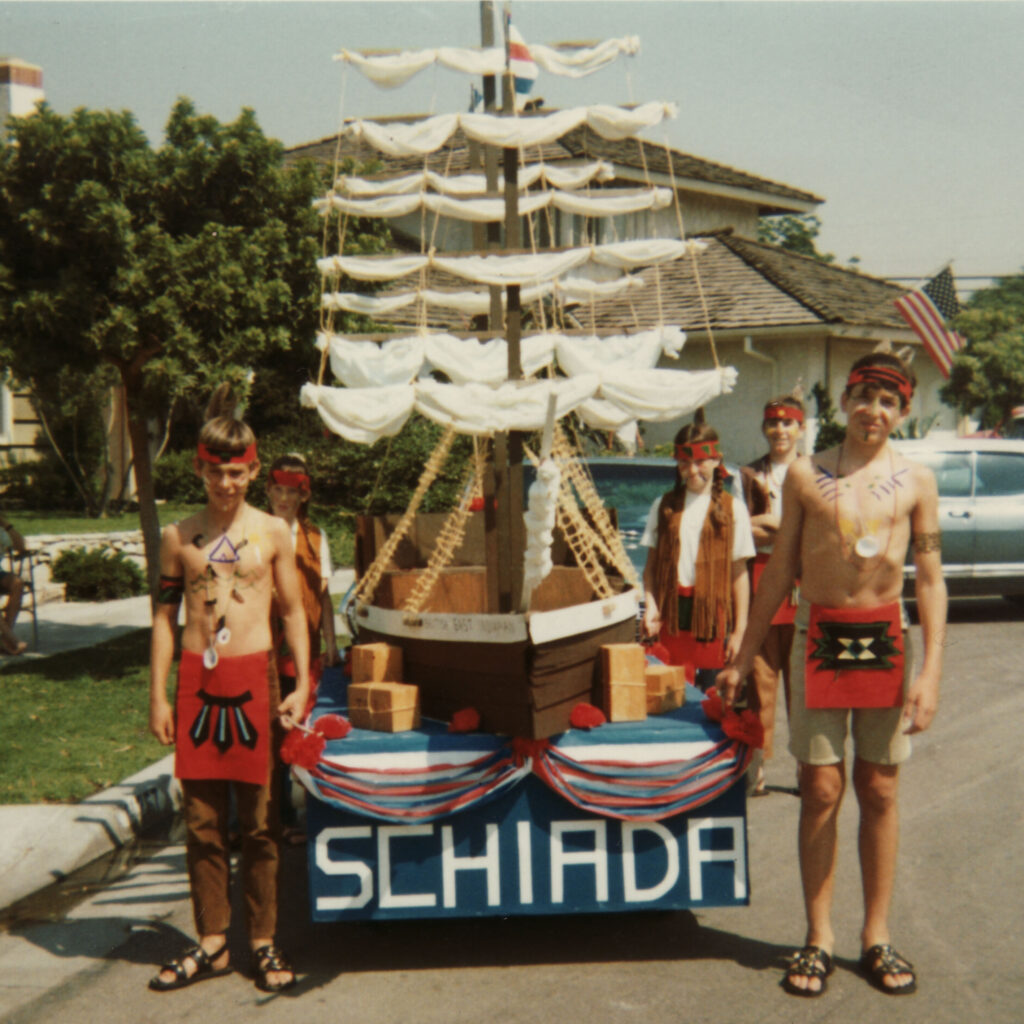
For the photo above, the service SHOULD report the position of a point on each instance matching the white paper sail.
(512, 268)
(391, 70)
(565, 178)
(419, 138)
(569, 290)
(366, 415)
(606, 203)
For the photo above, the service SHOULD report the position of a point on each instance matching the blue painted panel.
(529, 852)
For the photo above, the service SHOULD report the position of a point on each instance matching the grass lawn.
(75, 723)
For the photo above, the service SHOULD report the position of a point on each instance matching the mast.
(503, 488)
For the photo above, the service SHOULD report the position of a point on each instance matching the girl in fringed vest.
(289, 489)
(696, 583)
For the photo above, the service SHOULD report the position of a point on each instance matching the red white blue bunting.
(635, 772)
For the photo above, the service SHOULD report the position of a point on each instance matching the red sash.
(786, 613)
(223, 719)
(854, 657)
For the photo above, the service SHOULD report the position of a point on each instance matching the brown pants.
(207, 809)
(763, 685)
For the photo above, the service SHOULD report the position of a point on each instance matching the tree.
(794, 233)
(179, 267)
(987, 377)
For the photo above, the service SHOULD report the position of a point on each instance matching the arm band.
(171, 590)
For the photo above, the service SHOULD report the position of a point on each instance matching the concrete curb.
(44, 843)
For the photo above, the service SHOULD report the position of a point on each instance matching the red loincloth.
(854, 657)
(222, 728)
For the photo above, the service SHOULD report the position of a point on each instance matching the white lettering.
(598, 856)
(525, 862)
(488, 862)
(698, 856)
(388, 899)
(359, 868)
(633, 893)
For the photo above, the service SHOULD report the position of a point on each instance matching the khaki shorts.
(818, 736)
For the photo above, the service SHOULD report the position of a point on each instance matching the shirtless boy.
(849, 514)
(226, 561)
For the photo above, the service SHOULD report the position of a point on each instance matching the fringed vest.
(712, 595)
(308, 539)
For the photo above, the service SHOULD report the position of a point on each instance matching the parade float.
(498, 802)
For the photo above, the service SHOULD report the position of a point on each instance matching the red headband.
(887, 377)
(698, 450)
(290, 478)
(219, 456)
(783, 412)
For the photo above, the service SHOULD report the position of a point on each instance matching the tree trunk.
(148, 519)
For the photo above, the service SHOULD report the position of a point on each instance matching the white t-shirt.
(695, 510)
(774, 479)
(325, 554)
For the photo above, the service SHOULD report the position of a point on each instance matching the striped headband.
(290, 478)
(219, 456)
(698, 450)
(781, 411)
(887, 377)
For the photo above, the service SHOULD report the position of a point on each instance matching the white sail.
(607, 203)
(419, 138)
(565, 178)
(511, 268)
(390, 70)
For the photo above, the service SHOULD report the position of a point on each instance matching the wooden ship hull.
(523, 672)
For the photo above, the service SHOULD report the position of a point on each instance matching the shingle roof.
(581, 142)
(748, 285)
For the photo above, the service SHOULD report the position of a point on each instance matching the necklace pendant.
(210, 658)
(224, 636)
(867, 546)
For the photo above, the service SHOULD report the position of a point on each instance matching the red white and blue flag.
(927, 311)
(521, 64)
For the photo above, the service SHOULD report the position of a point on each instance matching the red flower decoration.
(659, 651)
(302, 749)
(586, 716)
(745, 727)
(712, 706)
(332, 727)
(524, 748)
(465, 720)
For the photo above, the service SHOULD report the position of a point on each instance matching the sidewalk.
(43, 844)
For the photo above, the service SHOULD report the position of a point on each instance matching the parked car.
(981, 512)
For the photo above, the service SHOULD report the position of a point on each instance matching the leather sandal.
(882, 961)
(267, 960)
(182, 979)
(809, 962)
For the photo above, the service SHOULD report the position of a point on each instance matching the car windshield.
(630, 488)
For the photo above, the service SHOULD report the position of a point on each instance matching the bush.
(100, 574)
(175, 478)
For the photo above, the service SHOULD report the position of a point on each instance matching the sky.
(905, 117)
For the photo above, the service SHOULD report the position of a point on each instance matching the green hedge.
(99, 574)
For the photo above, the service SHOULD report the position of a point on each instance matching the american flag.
(927, 311)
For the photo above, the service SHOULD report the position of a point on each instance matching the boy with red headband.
(783, 426)
(848, 517)
(289, 490)
(225, 562)
(696, 587)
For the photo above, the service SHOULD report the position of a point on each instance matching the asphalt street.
(956, 914)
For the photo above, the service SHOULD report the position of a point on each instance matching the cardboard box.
(658, 704)
(384, 706)
(624, 691)
(376, 663)
(666, 688)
